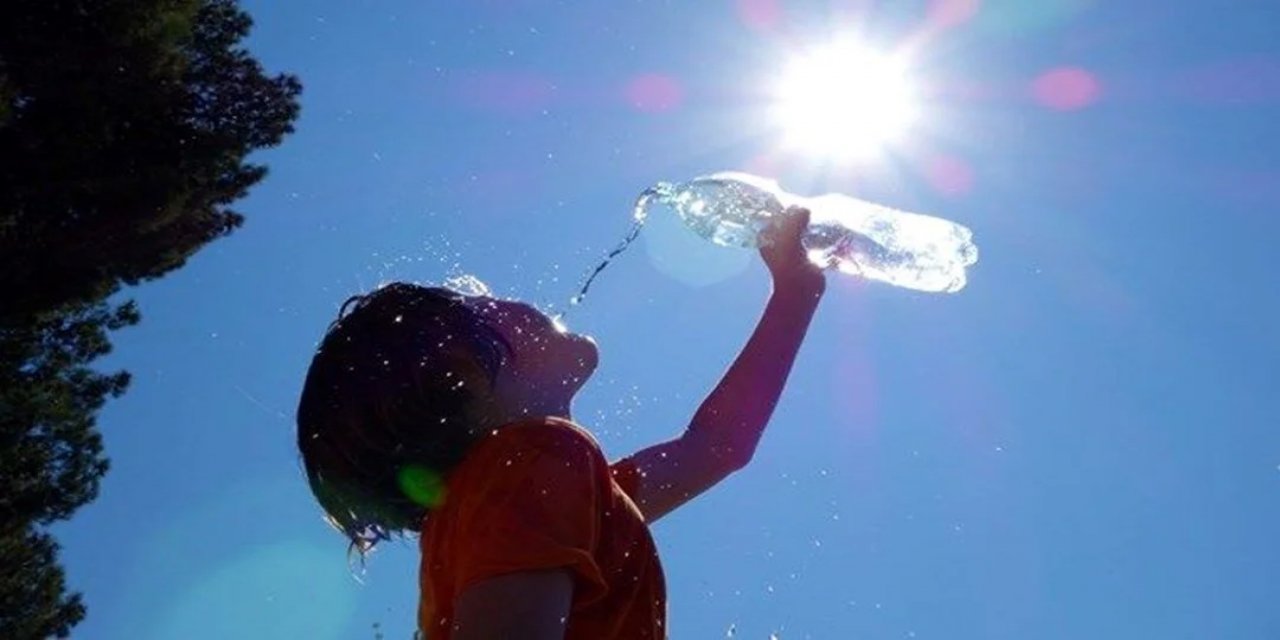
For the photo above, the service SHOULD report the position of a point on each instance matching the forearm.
(732, 418)
(724, 432)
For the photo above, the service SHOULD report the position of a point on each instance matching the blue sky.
(1080, 444)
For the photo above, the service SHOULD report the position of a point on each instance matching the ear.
(460, 366)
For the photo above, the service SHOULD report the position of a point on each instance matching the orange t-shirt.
(539, 495)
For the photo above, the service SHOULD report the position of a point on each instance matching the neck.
(502, 413)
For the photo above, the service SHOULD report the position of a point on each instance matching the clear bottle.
(845, 233)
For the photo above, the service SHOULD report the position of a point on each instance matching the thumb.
(786, 228)
(800, 215)
(794, 223)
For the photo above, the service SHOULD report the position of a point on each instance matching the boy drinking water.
(428, 411)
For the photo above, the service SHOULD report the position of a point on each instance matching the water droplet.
(557, 321)
(468, 285)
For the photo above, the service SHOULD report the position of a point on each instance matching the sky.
(1082, 443)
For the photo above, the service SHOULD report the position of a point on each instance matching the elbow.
(733, 457)
(725, 450)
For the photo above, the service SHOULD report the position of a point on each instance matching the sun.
(844, 101)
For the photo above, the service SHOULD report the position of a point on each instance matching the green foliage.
(126, 141)
(52, 455)
(125, 126)
(33, 598)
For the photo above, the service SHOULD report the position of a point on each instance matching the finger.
(801, 216)
(796, 221)
(786, 228)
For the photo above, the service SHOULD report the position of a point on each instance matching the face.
(548, 364)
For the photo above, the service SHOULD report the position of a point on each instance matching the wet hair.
(386, 410)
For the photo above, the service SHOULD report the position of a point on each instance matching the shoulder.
(553, 436)
(537, 471)
(541, 442)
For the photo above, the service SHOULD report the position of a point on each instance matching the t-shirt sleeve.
(537, 508)
(627, 475)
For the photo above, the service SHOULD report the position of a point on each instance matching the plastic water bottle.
(845, 233)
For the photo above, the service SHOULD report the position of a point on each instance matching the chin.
(583, 355)
(581, 363)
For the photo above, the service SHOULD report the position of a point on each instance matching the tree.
(125, 128)
(33, 598)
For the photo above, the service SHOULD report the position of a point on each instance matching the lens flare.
(422, 485)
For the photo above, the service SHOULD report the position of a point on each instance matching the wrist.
(800, 286)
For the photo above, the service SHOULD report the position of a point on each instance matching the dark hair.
(386, 411)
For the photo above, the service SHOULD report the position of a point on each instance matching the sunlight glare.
(844, 101)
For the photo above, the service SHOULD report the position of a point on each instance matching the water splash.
(640, 214)
(468, 285)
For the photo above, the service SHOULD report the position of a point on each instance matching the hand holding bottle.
(783, 252)
(847, 234)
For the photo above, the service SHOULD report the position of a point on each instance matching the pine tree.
(124, 131)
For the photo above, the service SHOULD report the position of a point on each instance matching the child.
(428, 411)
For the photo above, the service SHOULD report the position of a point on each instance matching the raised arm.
(723, 434)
